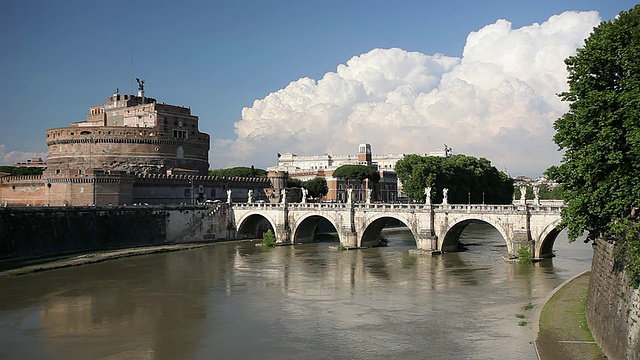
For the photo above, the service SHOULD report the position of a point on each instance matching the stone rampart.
(50, 231)
(136, 150)
(613, 307)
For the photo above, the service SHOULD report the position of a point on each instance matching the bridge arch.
(305, 228)
(370, 234)
(449, 239)
(254, 224)
(546, 240)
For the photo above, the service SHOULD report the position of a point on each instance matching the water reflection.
(236, 300)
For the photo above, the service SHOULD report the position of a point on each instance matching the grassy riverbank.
(563, 331)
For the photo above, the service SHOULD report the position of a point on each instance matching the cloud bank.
(498, 101)
(12, 157)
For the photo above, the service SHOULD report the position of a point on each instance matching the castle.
(131, 149)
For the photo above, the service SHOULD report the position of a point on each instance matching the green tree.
(239, 171)
(468, 179)
(357, 172)
(317, 187)
(550, 193)
(19, 170)
(546, 192)
(269, 238)
(600, 136)
(291, 182)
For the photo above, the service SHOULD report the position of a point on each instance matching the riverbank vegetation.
(600, 136)
(469, 179)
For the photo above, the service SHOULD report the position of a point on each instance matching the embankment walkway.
(560, 327)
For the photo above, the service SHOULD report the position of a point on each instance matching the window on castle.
(180, 134)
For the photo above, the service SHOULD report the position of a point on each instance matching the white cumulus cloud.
(12, 157)
(498, 101)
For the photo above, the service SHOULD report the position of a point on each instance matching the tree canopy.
(600, 136)
(239, 171)
(467, 178)
(317, 187)
(19, 170)
(294, 183)
(357, 172)
(545, 192)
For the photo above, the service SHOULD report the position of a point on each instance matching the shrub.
(524, 254)
(268, 238)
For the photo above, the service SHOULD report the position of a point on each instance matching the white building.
(306, 167)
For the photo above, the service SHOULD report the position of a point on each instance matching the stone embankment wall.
(48, 231)
(613, 307)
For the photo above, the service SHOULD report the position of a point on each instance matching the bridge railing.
(554, 208)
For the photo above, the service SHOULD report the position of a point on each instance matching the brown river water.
(240, 301)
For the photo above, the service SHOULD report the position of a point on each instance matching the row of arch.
(255, 224)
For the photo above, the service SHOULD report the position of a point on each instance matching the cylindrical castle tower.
(133, 134)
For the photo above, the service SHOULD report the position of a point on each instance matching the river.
(241, 301)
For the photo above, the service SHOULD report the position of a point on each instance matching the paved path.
(562, 332)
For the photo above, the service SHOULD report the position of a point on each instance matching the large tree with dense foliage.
(600, 136)
(357, 172)
(239, 171)
(317, 187)
(294, 183)
(467, 178)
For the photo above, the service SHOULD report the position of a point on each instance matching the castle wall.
(129, 149)
(50, 231)
(80, 190)
(102, 188)
(185, 189)
(28, 190)
(613, 307)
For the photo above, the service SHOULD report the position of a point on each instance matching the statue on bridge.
(369, 193)
(284, 196)
(349, 195)
(305, 193)
(445, 196)
(536, 195)
(250, 196)
(229, 196)
(523, 195)
(427, 195)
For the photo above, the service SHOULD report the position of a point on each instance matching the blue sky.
(60, 57)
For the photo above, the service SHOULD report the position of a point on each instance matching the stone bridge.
(434, 227)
